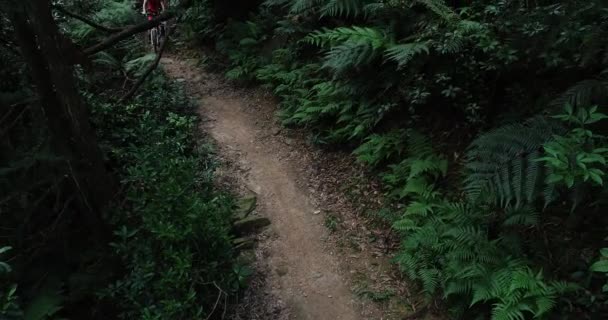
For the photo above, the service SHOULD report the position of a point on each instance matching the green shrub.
(172, 232)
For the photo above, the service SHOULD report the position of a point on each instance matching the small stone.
(317, 211)
(329, 296)
(282, 270)
(276, 131)
(180, 80)
(289, 141)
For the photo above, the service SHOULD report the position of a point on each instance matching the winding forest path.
(305, 276)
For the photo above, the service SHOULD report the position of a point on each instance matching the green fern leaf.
(404, 53)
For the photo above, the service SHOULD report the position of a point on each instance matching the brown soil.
(304, 270)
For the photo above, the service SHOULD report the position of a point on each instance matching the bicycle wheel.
(160, 35)
(154, 39)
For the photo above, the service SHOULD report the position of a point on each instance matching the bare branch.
(86, 20)
(132, 30)
(149, 70)
(219, 295)
(129, 31)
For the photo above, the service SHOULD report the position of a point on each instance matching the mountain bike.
(157, 33)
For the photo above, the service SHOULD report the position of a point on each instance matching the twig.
(14, 122)
(65, 206)
(225, 306)
(148, 71)
(217, 301)
(86, 20)
(85, 199)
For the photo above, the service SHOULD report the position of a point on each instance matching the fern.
(502, 163)
(301, 6)
(404, 53)
(379, 148)
(349, 46)
(348, 55)
(439, 8)
(523, 216)
(583, 94)
(414, 174)
(138, 65)
(345, 8)
(106, 59)
(361, 35)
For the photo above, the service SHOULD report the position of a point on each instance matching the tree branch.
(132, 30)
(86, 20)
(149, 70)
(129, 31)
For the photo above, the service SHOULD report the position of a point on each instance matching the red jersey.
(153, 6)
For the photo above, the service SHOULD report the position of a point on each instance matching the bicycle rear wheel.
(154, 39)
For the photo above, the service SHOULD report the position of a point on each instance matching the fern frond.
(496, 162)
(583, 94)
(344, 8)
(348, 55)
(300, 6)
(404, 53)
(521, 216)
(361, 35)
(439, 8)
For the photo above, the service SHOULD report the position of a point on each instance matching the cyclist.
(153, 7)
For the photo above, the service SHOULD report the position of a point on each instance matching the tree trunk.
(68, 118)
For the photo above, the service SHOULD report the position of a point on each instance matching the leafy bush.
(172, 233)
(162, 248)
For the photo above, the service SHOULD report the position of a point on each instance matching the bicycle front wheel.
(154, 39)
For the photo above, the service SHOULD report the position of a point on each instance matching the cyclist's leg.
(162, 27)
(150, 16)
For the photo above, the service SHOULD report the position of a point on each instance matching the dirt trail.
(304, 271)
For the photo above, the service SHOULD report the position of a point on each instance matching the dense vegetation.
(108, 207)
(483, 118)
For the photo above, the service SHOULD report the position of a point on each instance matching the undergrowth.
(172, 231)
(162, 248)
(482, 120)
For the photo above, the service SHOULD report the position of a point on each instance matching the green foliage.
(415, 174)
(404, 53)
(366, 75)
(601, 266)
(503, 164)
(110, 13)
(9, 304)
(573, 157)
(176, 222)
(332, 222)
(447, 246)
(162, 248)
(380, 148)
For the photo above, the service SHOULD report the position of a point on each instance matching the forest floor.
(322, 257)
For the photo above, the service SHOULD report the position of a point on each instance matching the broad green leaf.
(600, 266)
